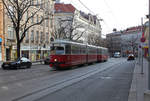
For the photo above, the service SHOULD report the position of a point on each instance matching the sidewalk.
(139, 82)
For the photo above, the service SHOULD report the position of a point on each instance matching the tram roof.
(103, 48)
(71, 42)
(67, 42)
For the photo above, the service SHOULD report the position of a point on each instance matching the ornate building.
(82, 23)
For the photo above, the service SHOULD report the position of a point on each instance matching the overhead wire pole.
(149, 50)
(142, 49)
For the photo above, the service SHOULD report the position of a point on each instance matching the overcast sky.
(118, 14)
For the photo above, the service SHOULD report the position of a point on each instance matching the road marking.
(105, 77)
(4, 87)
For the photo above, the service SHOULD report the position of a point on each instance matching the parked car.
(19, 63)
(130, 57)
(47, 60)
(117, 55)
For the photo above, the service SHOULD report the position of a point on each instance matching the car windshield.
(131, 55)
(22, 58)
(18, 59)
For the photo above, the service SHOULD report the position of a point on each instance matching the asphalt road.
(42, 83)
(112, 84)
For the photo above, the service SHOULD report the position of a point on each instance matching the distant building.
(125, 42)
(57, 1)
(130, 40)
(114, 42)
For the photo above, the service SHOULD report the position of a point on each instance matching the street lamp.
(149, 51)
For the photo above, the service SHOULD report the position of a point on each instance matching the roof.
(133, 29)
(64, 8)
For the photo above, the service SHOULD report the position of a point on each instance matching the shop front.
(0, 49)
(34, 53)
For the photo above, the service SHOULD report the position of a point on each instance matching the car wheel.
(16, 67)
(4, 68)
(28, 66)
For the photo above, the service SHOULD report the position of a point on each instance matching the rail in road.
(28, 89)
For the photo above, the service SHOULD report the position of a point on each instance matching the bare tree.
(130, 43)
(17, 10)
(67, 29)
(94, 39)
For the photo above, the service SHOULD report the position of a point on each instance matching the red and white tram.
(65, 54)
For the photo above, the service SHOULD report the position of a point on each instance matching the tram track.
(24, 79)
(61, 84)
(12, 77)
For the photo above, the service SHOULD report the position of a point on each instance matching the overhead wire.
(112, 13)
(86, 7)
(71, 1)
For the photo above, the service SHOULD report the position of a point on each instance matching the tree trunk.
(18, 50)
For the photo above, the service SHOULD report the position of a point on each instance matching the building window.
(32, 2)
(37, 36)
(32, 36)
(46, 23)
(41, 5)
(37, 18)
(37, 2)
(47, 37)
(32, 19)
(41, 37)
(27, 15)
(42, 22)
(27, 37)
(10, 33)
(11, 11)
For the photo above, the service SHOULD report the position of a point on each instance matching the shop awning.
(145, 47)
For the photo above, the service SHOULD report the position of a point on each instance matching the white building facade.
(82, 23)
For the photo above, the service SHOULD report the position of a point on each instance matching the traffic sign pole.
(149, 50)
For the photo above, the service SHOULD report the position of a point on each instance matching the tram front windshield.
(57, 50)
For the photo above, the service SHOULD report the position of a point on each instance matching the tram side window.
(83, 50)
(58, 50)
(68, 49)
(99, 51)
(106, 52)
(75, 49)
(94, 51)
(88, 50)
(52, 51)
(91, 50)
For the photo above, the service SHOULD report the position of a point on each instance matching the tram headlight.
(55, 60)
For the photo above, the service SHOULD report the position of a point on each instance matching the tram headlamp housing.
(55, 60)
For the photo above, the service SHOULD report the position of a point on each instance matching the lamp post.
(149, 50)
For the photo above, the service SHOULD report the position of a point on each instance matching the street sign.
(143, 39)
(52, 39)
